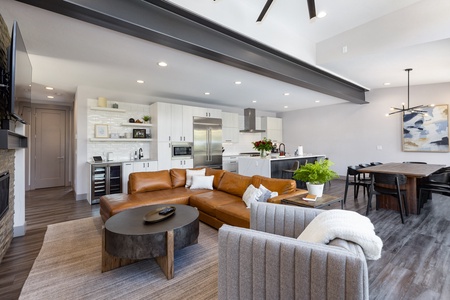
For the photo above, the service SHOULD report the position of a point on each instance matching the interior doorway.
(48, 161)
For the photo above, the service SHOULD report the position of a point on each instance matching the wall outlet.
(379, 147)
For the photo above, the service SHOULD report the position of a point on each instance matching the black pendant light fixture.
(415, 109)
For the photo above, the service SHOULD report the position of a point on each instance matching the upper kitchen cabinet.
(230, 127)
(173, 122)
(207, 112)
(273, 128)
(161, 114)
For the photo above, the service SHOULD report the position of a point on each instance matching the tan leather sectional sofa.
(222, 205)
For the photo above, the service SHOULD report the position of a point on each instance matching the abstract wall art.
(426, 132)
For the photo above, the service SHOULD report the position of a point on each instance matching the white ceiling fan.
(311, 9)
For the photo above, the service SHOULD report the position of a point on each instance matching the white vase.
(315, 189)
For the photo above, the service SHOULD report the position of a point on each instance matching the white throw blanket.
(346, 225)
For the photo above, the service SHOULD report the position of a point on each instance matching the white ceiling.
(382, 38)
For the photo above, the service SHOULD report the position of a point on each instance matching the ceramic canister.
(101, 102)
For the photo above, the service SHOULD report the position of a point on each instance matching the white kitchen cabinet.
(230, 163)
(164, 156)
(161, 114)
(127, 169)
(230, 127)
(188, 123)
(207, 112)
(182, 163)
(145, 166)
(136, 166)
(173, 122)
(273, 127)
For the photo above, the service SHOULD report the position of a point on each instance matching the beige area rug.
(69, 267)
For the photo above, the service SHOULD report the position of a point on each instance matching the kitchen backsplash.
(121, 150)
(244, 145)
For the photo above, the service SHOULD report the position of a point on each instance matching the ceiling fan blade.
(263, 12)
(311, 9)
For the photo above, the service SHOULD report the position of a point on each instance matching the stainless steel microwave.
(182, 150)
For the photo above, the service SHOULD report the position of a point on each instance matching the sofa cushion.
(282, 186)
(217, 176)
(251, 195)
(202, 182)
(234, 213)
(178, 177)
(234, 184)
(140, 182)
(193, 172)
(208, 201)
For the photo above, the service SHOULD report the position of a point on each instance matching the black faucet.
(141, 155)
(282, 152)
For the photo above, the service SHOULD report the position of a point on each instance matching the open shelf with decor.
(107, 109)
(137, 124)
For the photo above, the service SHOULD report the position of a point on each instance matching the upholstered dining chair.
(267, 261)
(392, 185)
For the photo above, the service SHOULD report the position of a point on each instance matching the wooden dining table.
(412, 172)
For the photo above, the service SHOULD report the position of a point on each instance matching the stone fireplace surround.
(7, 158)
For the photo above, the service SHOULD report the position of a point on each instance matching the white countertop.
(282, 158)
(119, 161)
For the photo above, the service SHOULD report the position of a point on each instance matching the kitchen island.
(271, 167)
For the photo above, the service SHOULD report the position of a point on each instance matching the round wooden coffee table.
(127, 238)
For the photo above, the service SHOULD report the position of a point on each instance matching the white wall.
(349, 133)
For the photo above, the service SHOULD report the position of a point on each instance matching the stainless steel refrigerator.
(207, 142)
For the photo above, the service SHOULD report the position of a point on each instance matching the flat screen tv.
(18, 75)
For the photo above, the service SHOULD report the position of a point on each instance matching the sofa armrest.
(278, 198)
(279, 219)
(259, 265)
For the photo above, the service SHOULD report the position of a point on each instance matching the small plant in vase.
(264, 146)
(146, 119)
(316, 175)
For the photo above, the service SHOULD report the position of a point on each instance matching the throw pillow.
(265, 193)
(190, 173)
(251, 195)
(202, 182)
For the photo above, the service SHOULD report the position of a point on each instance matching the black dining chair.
(380, 186)
(290, 172)
(438, 182)
(354, 178)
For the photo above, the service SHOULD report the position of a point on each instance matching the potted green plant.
(316, 175)
(146, 119)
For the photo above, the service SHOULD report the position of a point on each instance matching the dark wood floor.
(415, 261)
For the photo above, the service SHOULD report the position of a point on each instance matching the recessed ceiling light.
(285, 106)
(162, 64)
(140, 81)
(387, 83)
(254, 101)
(317, 101)
(286, 94)
(207, 93)
(50, 97)
(321, 14)
(49, 88)
(237, 82)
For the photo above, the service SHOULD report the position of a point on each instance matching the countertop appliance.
(207, 142)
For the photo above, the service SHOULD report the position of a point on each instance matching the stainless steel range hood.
(250, 121)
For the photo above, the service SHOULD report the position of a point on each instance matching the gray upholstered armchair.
(268, 262)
